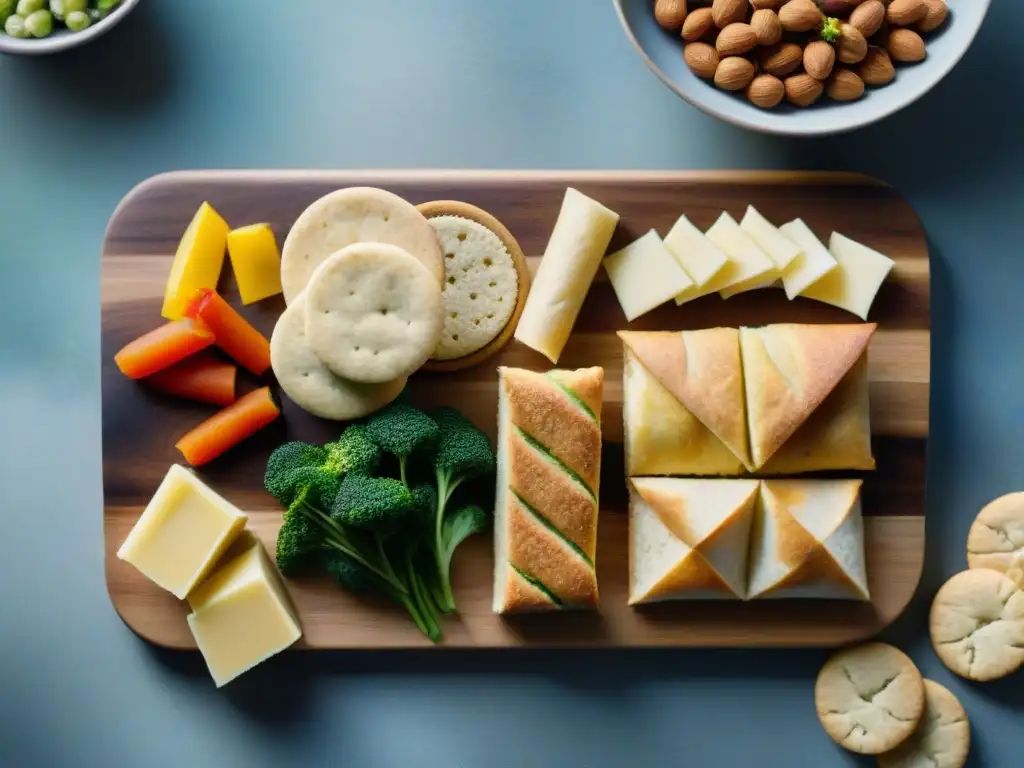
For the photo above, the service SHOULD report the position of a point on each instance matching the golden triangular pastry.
(789, 370)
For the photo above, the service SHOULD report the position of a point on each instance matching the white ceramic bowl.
(62, 39)
(663, 53)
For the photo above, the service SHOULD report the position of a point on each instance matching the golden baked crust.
(789, 370)
(702, 370)
(519, 592)
(546, 413)
(534, 549)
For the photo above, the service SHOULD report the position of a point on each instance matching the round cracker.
(870, 698)
(454, 208)
(310, 383)
(355, 215)
(373, 313)
(943, 740)
(996, 537)
(977, 624)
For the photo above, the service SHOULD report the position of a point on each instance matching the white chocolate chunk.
(813, 263)
(645, 275)
(748, 266)
(854, 285)
(779, 248)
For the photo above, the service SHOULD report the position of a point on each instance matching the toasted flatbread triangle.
(789, 369)
(702, 370)
(812, 540)
(712, 517)
(691, 574)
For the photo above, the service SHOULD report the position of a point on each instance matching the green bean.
(77, 21)
(39, 24)
(26, 7)
(15, 26)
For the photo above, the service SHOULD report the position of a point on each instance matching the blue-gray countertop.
(459, 83)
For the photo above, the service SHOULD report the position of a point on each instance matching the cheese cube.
(256, 262)
(855, 283)
(645, 275)
(701, 259)
(198, 261)
(780, 249)
(183, 530)
(813, 263)
(242, 615)
(748, 266)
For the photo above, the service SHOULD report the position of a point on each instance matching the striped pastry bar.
(549, 465)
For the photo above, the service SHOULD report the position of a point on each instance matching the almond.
(868, 17)
(803, 90)
(934, 17)
(765, 91)
(697, 24)
(903, 13)
(851, 45)
(766, 26)
(772, 5)
(734, 73)
(800, 16)
(905, 45)
(876, 68)
(845, 85)
(819, 58)
(780, 60)
(735, 39)
(670, 14)
(726, 12)
(702, 59)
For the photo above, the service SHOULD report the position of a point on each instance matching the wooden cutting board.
(140, 427)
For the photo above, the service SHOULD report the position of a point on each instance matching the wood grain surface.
(140, 426)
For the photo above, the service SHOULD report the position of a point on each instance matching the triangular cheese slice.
(808, 541)
(689, 537)
(789, 370)
(702, 369)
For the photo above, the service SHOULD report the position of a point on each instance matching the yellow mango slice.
(256, 261)
(198, 262)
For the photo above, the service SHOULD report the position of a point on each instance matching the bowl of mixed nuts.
(801, 67)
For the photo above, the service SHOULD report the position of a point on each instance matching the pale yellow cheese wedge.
(748, 266)
(813, 263)
(184, 529)
(701, 259)
(780, 249)
(578, 242)
(645, 275)
(854, 285)
(241, 616)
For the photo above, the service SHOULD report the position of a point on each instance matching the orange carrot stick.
(163, 347)
(201, 377)
(241, 341)
(229, 427)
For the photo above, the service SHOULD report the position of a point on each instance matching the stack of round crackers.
(375, 290)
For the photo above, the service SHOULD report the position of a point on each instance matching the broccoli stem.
(401, 469)
(335, 536)
(444, 596)
(422, 599)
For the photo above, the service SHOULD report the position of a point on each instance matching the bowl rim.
(65, 41)
(751, 125)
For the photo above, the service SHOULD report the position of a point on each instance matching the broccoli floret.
(354, 451)
(424, 504)
(350, 575)
(280, 478)
(402, 430)
(298, 544)
(463, 453)
(377, 504)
